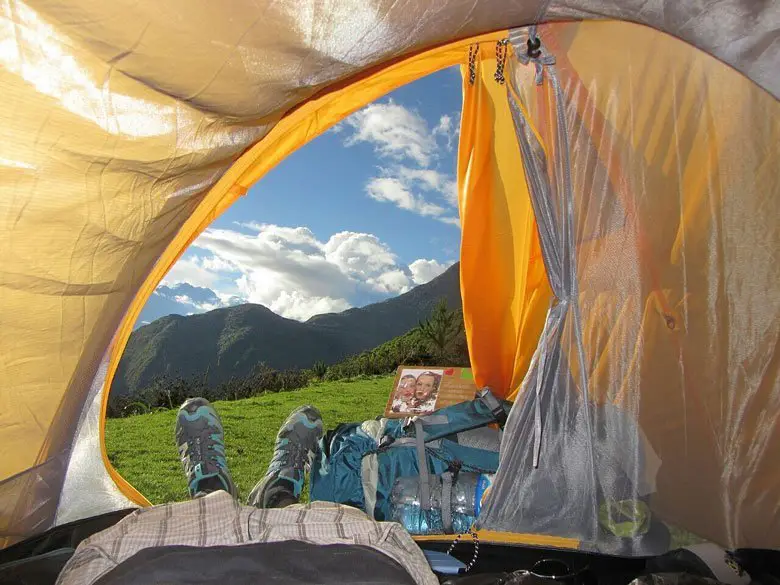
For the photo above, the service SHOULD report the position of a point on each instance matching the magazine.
(420, 390)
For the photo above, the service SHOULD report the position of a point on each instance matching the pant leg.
(217, 519)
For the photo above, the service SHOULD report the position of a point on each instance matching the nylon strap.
(425, 485)
(446, 502)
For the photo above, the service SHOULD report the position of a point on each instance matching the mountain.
(371, 325)
(232, 341)
(181, 298)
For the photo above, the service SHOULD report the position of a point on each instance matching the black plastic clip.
(534, 47)
(386, 441)
(454, 468)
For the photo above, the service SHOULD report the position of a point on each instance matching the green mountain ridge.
(232, 341)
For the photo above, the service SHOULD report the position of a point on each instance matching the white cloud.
(450, 192)
(395, 131)
(295, 305)
(405, 138)
(191, 270)
(229, 299)
(426, 270)
(359, 255)
(217, 264)
(200, 305)
(250, 225)
(430, 180)
(446, 129)
(427, 179)
(392, 282)
(394, 190)
(297, 276)
(398, 186)
(444, 126)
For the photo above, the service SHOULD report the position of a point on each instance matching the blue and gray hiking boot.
(293, 451)
(201, 443)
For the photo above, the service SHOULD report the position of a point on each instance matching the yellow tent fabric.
(28, 445)
(674, 247)
(128, 126)
(503, 280)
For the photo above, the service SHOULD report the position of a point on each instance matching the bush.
(169, 392)
(319, 370)
(121, 406)
(410, 349)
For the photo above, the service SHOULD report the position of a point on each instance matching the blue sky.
(364, 212)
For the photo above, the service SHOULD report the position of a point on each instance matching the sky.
(362, 213)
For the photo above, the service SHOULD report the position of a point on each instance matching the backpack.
(358, 463)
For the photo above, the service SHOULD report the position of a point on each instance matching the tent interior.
(618, 196)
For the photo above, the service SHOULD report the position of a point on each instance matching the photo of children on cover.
(417, 391)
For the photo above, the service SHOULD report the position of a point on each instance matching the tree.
(442, 329)
(320, 370)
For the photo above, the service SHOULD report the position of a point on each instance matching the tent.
(619, 202)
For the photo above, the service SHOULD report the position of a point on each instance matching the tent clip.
(535, 53)
(534, 45)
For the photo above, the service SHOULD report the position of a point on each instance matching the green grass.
(142, 447)
(143, 450)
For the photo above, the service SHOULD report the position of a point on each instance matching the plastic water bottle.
(468, 492)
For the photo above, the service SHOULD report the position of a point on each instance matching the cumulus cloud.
(214, 263)
(192, 271)
(427, 179)
(403, 138)
(430, 180)
(401, 187)
(396, 190)
(359, 255)
(296, 305)
(290, 271)
(202, 306)
(426, 270)
(395, 281)
(394, 131)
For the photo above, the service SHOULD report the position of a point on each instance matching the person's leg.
(294, 447)
(201, 442)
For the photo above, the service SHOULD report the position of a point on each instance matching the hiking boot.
(293, 451)
(201, 443)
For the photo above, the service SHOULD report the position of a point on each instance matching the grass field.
(142, 447)
(143, 450)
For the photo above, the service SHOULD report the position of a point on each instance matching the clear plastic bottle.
(468, 491)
